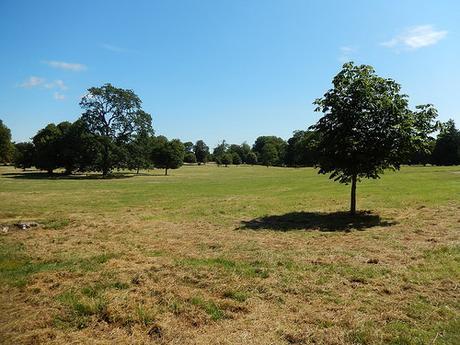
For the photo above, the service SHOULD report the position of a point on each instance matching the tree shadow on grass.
(45, 176)
(322, 221)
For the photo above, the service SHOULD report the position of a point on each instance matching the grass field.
(239, 255)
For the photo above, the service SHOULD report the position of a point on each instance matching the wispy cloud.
(416, 37)
(117, 49)
(58, 96)
(346, 53)
(70, 66)
(42, 83)
(56, 84)
(32, 81)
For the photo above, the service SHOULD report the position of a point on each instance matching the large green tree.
(367, 127)
(6, 147)
(114, 116)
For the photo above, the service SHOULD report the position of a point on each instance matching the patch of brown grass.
(197, 283)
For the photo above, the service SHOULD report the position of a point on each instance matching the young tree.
(227, 159)
(201, 151)
(24, 155)
(168, 154)
(367, 127)
(114, 116)
(6, 147)
(447, 148)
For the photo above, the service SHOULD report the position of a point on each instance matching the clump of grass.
(239, 296)
(81, 308)
(145, 315)
(253, 269)
(56, 223)
(209, 307)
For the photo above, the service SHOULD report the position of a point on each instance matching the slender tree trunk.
(166, 172)
(353, 195)
(137, 172)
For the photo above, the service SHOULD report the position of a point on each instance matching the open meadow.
(238, 255)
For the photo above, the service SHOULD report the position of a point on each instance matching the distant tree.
(227, 159)
(139, 152)
(189, 157)
(447, 147)
(236, 159)
(245, 150)
(269, 155)
(79, 150)
(47, 147)
(367, 127)
(114, 116)
(6, 146)
(241, 150)
(422, 156)
(201, 151)
(220, 150)
(251, 158)
(24, 155)
(168, 154)
(277, 149)
(301, 149)
(188, 146)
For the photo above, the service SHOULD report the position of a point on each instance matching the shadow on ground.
(322, 221)
(46, 176)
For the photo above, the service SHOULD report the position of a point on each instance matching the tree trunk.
(166, 172)
(353, 195)
(137, 172)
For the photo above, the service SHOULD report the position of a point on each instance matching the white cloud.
(56, 84)
(76, 67)
(346, 53)
(416, 37)
(58, 96)
(32, 81)
(117, 49)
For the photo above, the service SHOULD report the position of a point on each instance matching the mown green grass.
(221, 194)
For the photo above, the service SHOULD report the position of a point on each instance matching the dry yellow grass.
(137, 276)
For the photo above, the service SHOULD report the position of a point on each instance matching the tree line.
(365, 128)
(74, 148)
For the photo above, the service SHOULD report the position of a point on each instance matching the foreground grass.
(238, 255)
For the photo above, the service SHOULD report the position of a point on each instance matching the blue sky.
(220, 69)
